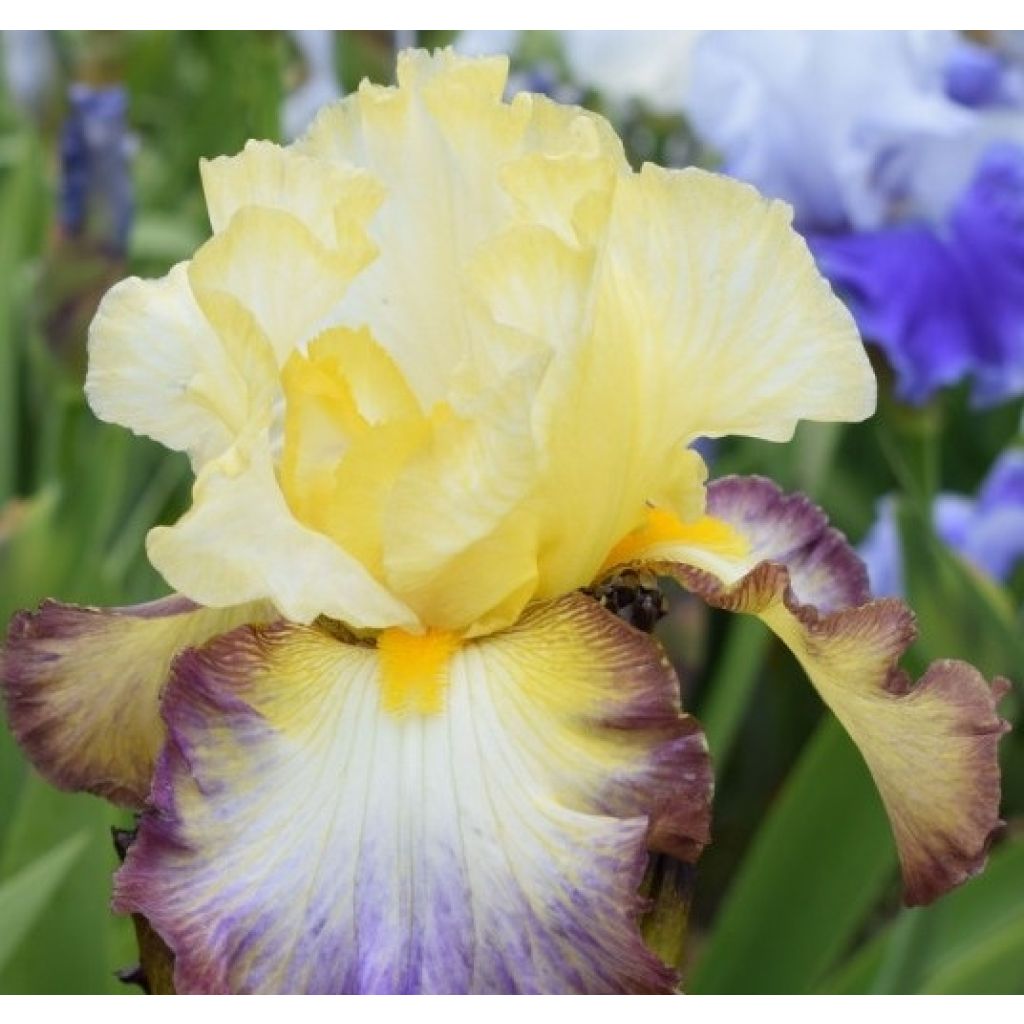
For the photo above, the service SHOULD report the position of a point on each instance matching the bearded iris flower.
(437, 371)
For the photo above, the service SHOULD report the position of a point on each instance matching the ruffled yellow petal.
(429, 503)
(600, 456)
(709, 279)
(488, 584)
(313, 191)
(695, 309)
(480, 467)
(157, 365)
(275, 267)
(241, 542)
(446, 120)
(493, 345)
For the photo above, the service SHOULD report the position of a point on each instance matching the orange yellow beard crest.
(661, 527)
(414, 670)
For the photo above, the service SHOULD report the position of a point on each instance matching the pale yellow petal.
(710, 278)
(488, 584)
(446, 120)
(278, 270)
(481, 463)
(313, 191)
(157, 366)
(351, 425)
(241, 542)
(348, 502)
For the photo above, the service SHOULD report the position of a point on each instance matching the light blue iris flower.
(987, 531)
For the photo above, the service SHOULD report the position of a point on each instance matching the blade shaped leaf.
(25, 896)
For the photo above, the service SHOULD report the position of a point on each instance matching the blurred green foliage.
(798, 893)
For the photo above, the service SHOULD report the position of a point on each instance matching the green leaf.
(18, 190)
(817, 867)
(25, 896)
(728, 696)
(78, 944)
(961, 612)
(994, 967)
(955, 943)
(910, 439)
(814, 451)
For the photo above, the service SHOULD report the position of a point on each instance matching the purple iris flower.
(837, 124)
(901, 153)
(945, 302)
(988, 531)
(979, 76)
(96, 195)
(974, 75)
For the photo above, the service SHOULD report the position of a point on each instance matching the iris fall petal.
(930, 746)
(82, 686)
(306, 838)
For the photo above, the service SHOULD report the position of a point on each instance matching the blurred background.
(902, 156)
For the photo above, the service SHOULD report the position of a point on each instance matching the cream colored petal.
(709, 280)
(241, 542)
(446, 120)
(157, 366)
(560, 129)
(278, 270)
(313, 191)
(570, 195)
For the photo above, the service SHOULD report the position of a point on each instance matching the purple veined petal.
(82, 686)
(789, 528)
(307, 839)
(931, 747)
